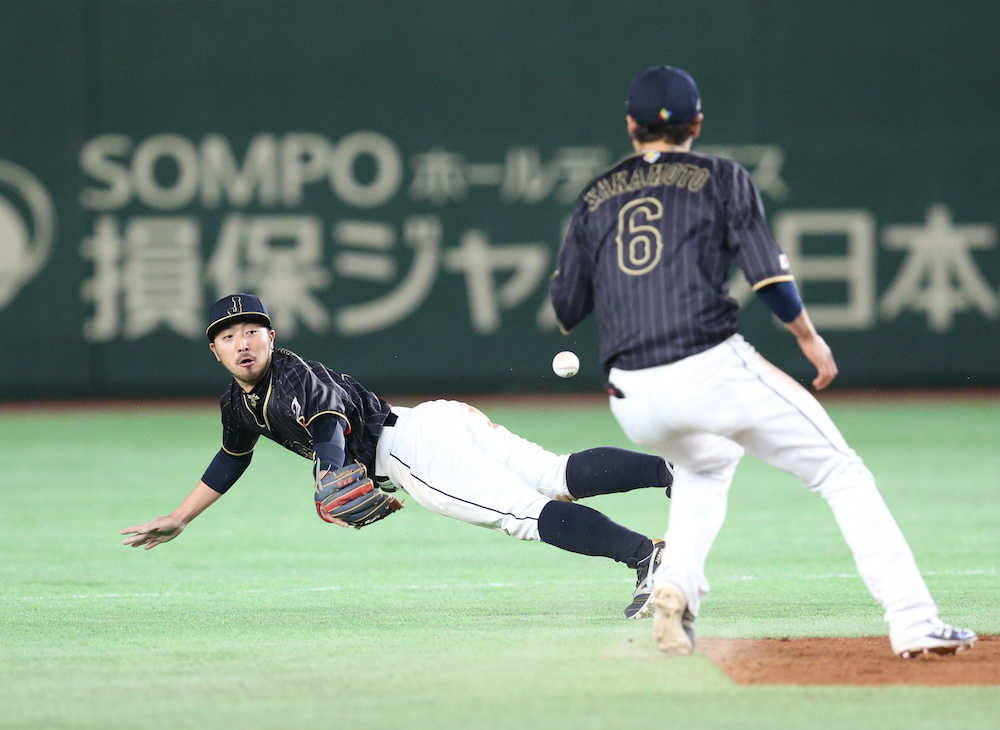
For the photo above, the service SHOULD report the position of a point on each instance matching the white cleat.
(936, 638)
(669, 618)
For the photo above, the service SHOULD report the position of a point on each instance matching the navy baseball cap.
(663, 95)
(236, 308)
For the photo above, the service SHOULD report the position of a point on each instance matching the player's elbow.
(783, 299)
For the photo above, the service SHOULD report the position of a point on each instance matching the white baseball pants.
(454, 461)
(704, 411)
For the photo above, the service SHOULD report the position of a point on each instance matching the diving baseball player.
(447, 455)
(650, 249)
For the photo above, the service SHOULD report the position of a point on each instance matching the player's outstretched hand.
(151, 534)
(820, 355)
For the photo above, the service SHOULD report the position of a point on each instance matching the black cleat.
(642, 603)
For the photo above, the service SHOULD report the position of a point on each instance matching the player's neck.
(660, 146)
(246, 385)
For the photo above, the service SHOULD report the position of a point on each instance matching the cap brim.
(229, 319)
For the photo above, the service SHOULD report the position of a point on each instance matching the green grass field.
(261, 616)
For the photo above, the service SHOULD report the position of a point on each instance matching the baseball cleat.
(940, 638)
(673, 624)
(642, 597)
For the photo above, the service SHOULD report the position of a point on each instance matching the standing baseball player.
(650, 249)
(447, 455)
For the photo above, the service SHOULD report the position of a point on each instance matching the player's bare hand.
(154, 532)
(820, 355)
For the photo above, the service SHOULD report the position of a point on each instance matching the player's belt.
(383, 481)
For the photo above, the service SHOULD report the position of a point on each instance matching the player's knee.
(605, 470)
(552, 478)
(520, 519)
(844, 473)
(522, 529)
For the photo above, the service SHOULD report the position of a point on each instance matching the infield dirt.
(849, 661)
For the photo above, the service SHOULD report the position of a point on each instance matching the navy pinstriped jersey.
(287, 400)
(651, 246)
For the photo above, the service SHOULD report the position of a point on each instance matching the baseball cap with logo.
(663, 95)
(236, 308)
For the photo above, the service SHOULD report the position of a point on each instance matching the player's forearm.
(571, 290)
(328, 442)
(200, 499)
(570, 309)
(815, 349)
(802, 327)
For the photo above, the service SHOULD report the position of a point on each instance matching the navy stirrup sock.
(605, 470)
(583, 530)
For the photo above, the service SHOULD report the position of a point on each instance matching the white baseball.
(565, 364)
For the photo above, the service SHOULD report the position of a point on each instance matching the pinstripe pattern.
(293, 392)
(656, 310)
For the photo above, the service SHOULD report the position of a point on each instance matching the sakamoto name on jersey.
(676, 174)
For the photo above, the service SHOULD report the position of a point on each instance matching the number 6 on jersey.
(640, 246)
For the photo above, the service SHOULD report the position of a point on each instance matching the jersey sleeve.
(236, 441)
(328, 441)
(224, 470)
(571, 287)
(749, 237)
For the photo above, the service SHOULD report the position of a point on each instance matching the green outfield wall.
(393, 180)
